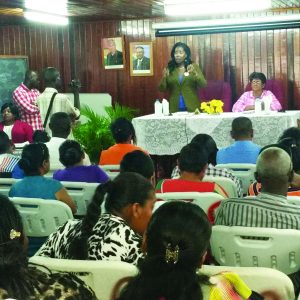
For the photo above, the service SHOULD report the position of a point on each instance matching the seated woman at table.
(17, 131)
(124, 134)
(247, 100)
(71, 156)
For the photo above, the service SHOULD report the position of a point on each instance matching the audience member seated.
(243, 150)
(40, 136)
(206, 142)
(71, 156)
(290, 142)
(192, 164)
(139, 162)
(8, 162)
(20, 280)
(35, 164)
(176, 243)
(17, 131)
(60, 126)
(270, 208)
(115, 235)
(247, 100)
(124, 134)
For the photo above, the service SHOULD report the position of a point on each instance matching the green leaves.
(95, 135)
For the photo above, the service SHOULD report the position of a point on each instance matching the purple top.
(248, 99)
(82, 174)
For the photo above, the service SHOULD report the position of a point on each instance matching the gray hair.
(273, 163)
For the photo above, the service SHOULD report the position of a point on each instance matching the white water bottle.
(158, 108)
(165, 107)
(267, 104)
(257, 105)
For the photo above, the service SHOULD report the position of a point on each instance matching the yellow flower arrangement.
(212, 107)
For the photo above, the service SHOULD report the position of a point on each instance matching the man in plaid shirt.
(24, 97)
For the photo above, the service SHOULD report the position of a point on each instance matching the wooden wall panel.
(76, 51)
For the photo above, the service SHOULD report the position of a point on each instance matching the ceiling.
(11, 11)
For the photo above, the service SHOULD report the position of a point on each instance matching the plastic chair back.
(5, 185)
(203, 200)
(226, 183)
(42, 217)
(101, 276)
(81, 193)
(245, 172)
(112, 171)
(257, 247)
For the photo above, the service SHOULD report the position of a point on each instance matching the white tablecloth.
(167, 135)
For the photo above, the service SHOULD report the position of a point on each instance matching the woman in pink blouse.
(246, 101)
(17, 131)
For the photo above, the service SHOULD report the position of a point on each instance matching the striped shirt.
(213, 171)
(265, 210)
(25, 100)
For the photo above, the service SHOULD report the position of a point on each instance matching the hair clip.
(172, 254)
(14, 234)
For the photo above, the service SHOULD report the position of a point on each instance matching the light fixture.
(57, 7)
(208, 7)
(47, 11)
(42, 17)
(227, 25)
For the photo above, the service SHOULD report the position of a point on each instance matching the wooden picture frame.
(141, 59)
(113, 53)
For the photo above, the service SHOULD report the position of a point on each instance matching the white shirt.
(7, 130)
(61, 103)
(53, 146)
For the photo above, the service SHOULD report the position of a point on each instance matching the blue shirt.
(35, 187)
(82, 174)
(243, 152)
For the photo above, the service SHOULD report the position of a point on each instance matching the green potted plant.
(95, 135)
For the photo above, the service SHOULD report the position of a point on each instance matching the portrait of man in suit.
(113, 56)
(141, 59)
(141, 62)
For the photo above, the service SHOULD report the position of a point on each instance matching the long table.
(166, 135)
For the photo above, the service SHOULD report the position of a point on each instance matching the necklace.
(181, 67)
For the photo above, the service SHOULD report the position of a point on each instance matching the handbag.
(49, 110)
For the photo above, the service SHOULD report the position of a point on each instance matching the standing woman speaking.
(182, 78)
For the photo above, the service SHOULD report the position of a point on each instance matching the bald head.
(274, 170)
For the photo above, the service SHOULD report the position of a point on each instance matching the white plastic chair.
(81, 193)
(258, 279)
(245, 172)
(293, 200)
(5, 185)
(204, 200)
(42, 217)
(256, 247)
(112, 171)
(226, 183)
(102, 276)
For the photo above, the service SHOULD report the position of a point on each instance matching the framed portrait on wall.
(141, 59)
(113, 52)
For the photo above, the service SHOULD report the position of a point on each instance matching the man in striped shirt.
(270, 208)
(24, 96)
